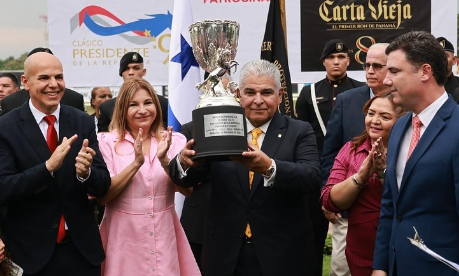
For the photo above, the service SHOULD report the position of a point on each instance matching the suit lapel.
(434, 128)
(32, 132)
(66, 129)
(271, 143)
(243, 174)
(66, 124)
(365, 92)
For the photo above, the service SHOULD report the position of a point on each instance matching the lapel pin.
(279, 135)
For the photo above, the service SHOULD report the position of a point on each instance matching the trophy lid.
(214, 42)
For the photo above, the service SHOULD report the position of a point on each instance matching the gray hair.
(259, 68)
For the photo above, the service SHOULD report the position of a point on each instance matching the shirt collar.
(365, 146)
(263, 127)
(337, 82)
(38, 115)
(429, 112)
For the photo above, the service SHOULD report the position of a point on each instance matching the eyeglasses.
(376, 66)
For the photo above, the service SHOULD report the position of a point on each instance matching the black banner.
(359, 23)
(274, 50)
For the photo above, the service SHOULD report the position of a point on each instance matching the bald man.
(49, 163)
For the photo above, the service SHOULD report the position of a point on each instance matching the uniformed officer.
(335, 59)
(452, 82)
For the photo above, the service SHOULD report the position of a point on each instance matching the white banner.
(90, 37)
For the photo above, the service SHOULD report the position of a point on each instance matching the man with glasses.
(314, 105)
(347, 121)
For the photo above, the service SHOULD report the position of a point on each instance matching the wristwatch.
(269, 172)
(382, 175)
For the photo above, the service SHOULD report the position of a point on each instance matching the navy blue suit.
(346, 122)
(35, 199)
(428, 198)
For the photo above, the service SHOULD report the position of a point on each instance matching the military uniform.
(326, 92)
(452, 82)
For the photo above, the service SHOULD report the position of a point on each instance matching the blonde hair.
(119, 119)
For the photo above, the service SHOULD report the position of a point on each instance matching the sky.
(21, 28)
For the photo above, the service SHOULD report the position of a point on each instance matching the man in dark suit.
(131, 66)
(49, 163)
(346, 122)
(421, 181)
(262, 228)
(70, 97)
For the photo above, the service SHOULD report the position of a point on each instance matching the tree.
(12, 63)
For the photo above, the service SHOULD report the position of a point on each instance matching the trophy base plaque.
(219, 132)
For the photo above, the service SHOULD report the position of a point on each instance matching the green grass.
(326, 267)
(327, 256)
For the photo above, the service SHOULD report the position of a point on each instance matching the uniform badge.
(442, 43)
(339, 46)
(134, 57)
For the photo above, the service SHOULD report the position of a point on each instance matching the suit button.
(399, 218)
(55, 226)
(393, 248)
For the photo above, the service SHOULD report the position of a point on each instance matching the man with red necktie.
(49, 162)
(421, 187)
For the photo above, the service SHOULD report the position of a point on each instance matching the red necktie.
(51, 140)
(415, 136)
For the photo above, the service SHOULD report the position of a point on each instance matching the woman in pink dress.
(356, 179)
(141, 231)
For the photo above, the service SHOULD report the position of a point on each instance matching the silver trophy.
(214, 45)
(219, 126)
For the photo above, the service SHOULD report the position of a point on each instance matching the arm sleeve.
(338, 174)
(302, 174)
(99, 180)
(302, 105)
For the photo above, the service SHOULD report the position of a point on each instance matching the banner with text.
(90, 37)
(359, 23)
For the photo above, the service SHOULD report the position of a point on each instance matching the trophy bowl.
(214, 42)
(219, 126)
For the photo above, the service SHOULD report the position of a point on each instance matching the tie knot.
(416, 122)
(256, 132)
(49, 119)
